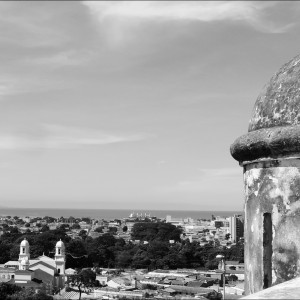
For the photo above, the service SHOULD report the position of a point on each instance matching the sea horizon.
(113, 213)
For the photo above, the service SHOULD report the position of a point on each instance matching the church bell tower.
(60, 257)
(24, 255)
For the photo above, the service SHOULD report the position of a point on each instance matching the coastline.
(111, 213)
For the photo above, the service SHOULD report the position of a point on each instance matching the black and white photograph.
(149, 150)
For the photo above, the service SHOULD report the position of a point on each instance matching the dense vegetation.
(108, 251)
(13, 292)
(155, 231)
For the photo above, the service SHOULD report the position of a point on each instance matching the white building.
(42, 271)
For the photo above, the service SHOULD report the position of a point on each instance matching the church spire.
(24, 255)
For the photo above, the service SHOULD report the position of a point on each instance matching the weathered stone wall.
(271, 186)
(270, 156)
(287, 290)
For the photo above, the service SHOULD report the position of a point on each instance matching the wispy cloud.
(5, 89)
(31, 25)
(222, 172)
(61, 137)
(16, 84)
(250, 12)
(213, 180)
(61, 59)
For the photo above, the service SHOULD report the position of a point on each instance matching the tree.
(4, 252)
(5, 226)
(213, 295)
(113, 230)
(71, 219)
(14, 230)
(27, 225)
(75, 226)
(76, 254)
(86, 220)
(124, 259)
(232, 277)
(64, 227)
(7, 289)
(227, 236)
(125, 228)
(49, 219)
(83, 281)
(30, 294)
(99, 229)
(83, 234)
(118, 221)
(20, 222)
(148, 231)
(45, 228)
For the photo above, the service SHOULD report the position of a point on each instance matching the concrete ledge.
(267, 143)
(286, 290)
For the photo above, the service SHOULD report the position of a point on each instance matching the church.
(40, 273)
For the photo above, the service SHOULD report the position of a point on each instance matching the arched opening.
(267, 250)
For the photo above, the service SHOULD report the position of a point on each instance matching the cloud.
(16, 84)
(61, 59)
(32, 24)
(5, 89)
(251, 12)
(61, 137)
(222, 172)
(209, 180)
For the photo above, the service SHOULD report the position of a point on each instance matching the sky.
(133, 105)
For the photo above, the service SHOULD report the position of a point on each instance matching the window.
(59, 251)
(23, 249)
(58, 271)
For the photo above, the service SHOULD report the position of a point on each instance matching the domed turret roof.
(60, 244)
(279, 102)
(24, 243)
(274, 128)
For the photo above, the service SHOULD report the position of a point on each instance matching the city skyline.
(133, 104)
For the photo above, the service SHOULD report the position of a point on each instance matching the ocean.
(110, 214)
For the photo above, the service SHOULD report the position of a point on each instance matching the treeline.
(13, 292)
(109, 251)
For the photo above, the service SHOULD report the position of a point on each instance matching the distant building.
(174, 221)
(236, 227)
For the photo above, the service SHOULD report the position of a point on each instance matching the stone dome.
(274, 128)
(279, 102)
(60, 244)
(24, 243)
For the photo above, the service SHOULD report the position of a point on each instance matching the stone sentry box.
(270, 156)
